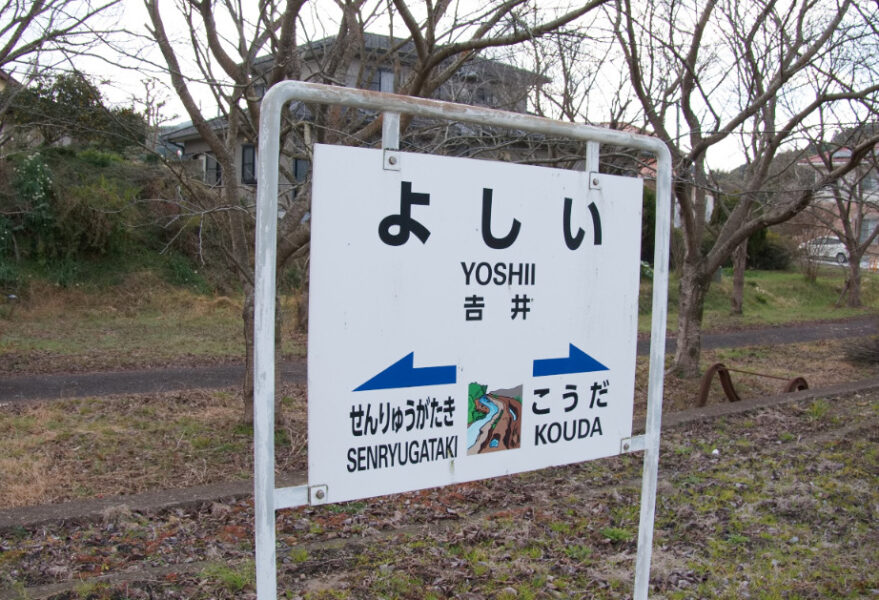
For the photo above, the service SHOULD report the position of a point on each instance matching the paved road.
(790, 334)
(36, 387)
(107, 383)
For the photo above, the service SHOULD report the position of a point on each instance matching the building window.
(213, 172)
(380, 80)
(248, 164)
(300, 173)
(300, 169)
(868, 224)
(259, 90)
(375, 83)
(484, 96)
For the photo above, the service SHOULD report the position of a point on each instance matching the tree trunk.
(740, 261)
(693, 289)
(279, 355)
(247, 320)
(853, 282)
(302, 307)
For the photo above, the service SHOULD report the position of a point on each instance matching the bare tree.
(753, 71)
(235, 53)
(37, 35)
(848, 207)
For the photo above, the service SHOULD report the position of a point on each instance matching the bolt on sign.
(468, 319)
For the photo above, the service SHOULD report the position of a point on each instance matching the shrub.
(98, 158)
(648, 224)
(67, 214)
(863, 350)
(179, 271)
(769, 251)
(10, 279)
(32, 184)
(92, 217)
(7, 237)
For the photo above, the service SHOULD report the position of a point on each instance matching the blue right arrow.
(576, 362)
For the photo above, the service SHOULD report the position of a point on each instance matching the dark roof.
(187, 131)
(372, 42)
(404, 49)
(837, 154)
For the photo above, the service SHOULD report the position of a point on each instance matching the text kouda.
(571, 428)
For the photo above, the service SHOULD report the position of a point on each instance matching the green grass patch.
(298, 555)
(770, 298)
(234, 578)
(818, 409)
(140, 323)
(617, 534)
(579, 553)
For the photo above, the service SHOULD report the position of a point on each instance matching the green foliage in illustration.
(475, 391)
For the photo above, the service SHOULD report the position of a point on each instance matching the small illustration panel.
(494, 419)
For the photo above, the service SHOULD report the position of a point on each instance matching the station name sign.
(468, 319)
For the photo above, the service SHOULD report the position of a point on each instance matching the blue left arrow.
(403, 374)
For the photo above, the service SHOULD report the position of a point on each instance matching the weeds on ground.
(234, 578)
(139, 324)
(122, 445)
(763, 520)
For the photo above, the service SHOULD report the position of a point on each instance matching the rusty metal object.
(796, 384)
(725, 382)
(793, 385)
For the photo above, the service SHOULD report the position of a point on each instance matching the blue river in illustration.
(473, 430)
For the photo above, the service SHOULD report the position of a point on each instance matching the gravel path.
(68, 385)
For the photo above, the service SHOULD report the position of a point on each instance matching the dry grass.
(775, 503)
(821, 363)
(143, 323)
(83, 448)
(120, 445)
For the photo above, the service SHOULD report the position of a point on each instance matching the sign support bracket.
(391, 140)
(268, 499)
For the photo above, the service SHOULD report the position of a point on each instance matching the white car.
(828, 248)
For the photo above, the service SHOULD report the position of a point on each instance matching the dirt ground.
(76, 449)
(774, 503)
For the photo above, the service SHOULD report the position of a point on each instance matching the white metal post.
(391, 130)
(657, 370)
(266, 498)
(264, 346)
(592, 152)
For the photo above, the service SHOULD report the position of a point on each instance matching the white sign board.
(468, 319)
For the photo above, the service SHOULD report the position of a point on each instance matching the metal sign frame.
(267, 498)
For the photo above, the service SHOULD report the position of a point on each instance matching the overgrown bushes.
(769, 251)
(79, 215)
(62, 209)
